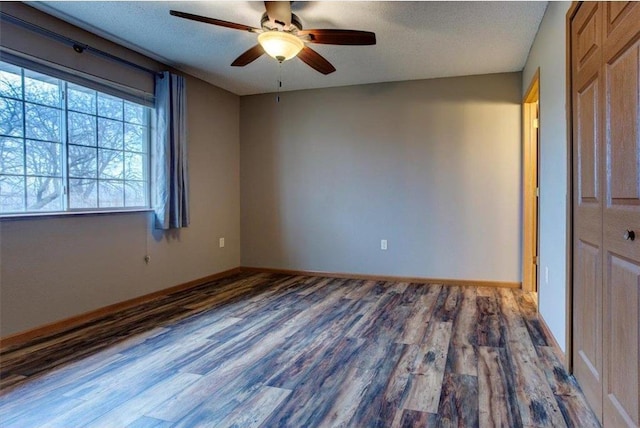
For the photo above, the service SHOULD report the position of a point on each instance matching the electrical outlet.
(147, 259)
(383, 244)
(221, 242)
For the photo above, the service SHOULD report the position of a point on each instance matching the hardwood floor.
(278, 350)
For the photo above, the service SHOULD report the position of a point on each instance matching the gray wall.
(52, 268)
(433, 166)
(549, 53)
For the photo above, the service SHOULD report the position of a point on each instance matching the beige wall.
(52, 268)
(433, 166)
(548, 52)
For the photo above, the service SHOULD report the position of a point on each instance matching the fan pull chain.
(279, 82)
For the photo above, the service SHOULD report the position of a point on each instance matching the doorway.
(531, 188)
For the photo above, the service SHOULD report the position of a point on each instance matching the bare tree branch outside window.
(56, 135)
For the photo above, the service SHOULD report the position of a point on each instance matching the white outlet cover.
(383, 244)
(221, 242)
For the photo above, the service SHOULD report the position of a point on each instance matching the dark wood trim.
(464, 282)
(58, 326)
(568, 356)
(550, 337)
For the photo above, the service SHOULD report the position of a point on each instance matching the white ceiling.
(415, 40)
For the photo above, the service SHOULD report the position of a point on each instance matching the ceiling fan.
(282, 37)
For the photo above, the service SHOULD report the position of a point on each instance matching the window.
(64, 147)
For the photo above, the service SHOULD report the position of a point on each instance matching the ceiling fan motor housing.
(267, 24)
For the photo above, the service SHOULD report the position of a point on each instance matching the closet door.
(586, 68)
(621, 220)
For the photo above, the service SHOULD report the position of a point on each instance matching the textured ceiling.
(415, 40)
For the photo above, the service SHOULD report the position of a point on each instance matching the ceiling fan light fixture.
(280, 45)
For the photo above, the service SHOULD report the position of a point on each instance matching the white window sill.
(32, 216)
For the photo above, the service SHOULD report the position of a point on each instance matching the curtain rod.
(77, 46)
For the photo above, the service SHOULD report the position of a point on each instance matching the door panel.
(587, 106)
(587, 202)
(588, 322)
(621, 292)
(621, 344)
(616, 12)
(622, 128)
(587, 35)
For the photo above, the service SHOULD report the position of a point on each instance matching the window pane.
(82, 129)
(135, 138)
(83, 162)
(109, 106)
(83, 193)
(11, 156)
(43, 123)
(44, 194)
(44, 158)
(110, 164)
(11, 117)
(81, 99)
(41, 89)
(134, 166)
(11, 194)
(54, 133)
(111, 193)
(110, 134)
(133, 113)
(10, 81)
(135, 194)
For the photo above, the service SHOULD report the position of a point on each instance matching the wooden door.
(586, 41)
(605, 79)
(621, 255)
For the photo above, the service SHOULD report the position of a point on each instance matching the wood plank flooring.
(273, 350)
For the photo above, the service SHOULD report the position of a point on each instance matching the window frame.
(64, 87)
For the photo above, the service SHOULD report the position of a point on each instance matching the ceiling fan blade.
(249, 56)
(279, 12)
(213, 21)
(340, 37)
(314, 60)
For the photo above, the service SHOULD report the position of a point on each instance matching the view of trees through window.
(65, 147)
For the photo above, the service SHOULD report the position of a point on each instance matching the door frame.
(530, 189)
(573, 9)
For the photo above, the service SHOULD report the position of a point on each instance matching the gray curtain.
(169, 161)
